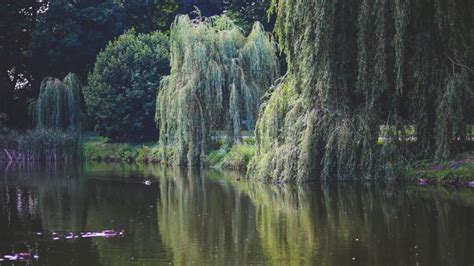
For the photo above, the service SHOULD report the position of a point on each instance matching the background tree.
(122, 88)
(59, 104)
(217, 79)
(17, 21)
(146, 16)
(246, 12)
(70, 34)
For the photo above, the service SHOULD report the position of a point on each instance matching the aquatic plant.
(217, 78)
(354, 66)
(59, 104)
(46, 145)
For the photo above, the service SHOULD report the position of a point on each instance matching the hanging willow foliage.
(217, 79)
(59, 104)
(355, 67)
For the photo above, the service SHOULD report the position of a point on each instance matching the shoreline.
(456, 172)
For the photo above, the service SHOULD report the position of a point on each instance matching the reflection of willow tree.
(332, 224)
(55, 193)
(206, 221)
(63, 205)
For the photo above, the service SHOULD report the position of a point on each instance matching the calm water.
(208, 217)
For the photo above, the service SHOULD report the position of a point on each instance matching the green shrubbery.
(122, 88)
(236, 157)
(100, 149)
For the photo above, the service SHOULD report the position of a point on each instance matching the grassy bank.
(459, 170)
(224, 156)
(100, 149)
(456, 171)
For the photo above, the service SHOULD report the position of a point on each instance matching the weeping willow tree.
(59, 104)
(217, 79)
(355, 67)
(58, 120)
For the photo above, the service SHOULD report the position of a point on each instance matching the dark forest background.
(52, 38)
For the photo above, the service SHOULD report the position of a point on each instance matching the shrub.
(122, 88)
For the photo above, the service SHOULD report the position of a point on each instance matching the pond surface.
(209, 217)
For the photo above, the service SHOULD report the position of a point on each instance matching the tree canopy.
(361, 75)
(217, 79)
(121, 91)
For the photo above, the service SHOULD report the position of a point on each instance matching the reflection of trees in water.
(331, 224)
(69, 200)
(46, 197)
(131, 207)
(208, 216)
(206, 221)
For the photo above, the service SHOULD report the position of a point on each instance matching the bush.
(122, 88)
(236, 157)
(99, 149)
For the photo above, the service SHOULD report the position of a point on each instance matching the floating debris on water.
(147, 183)
(110, 233)
(105, 233)
(22, 257)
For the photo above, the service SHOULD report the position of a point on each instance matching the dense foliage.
(59, 104)
(122, 88)
(68, 37)
(357, 65)
(55, 37)
(17, 21)
(58, 120)
(217, 79)
(246, 12)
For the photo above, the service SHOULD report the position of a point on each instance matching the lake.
(107, 214)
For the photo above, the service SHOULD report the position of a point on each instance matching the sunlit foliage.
(356, 65)
(217, 79)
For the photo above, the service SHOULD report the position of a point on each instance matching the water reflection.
(375, 225)
(79, 199)
(208, 217)
(205, 220)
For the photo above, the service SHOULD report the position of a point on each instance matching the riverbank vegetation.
(373, 89)
(58, 121)
(354, 66)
